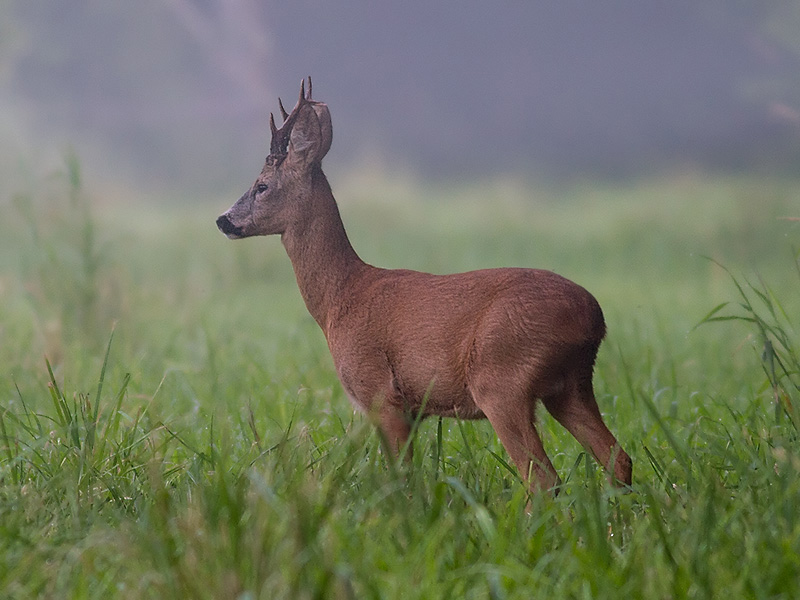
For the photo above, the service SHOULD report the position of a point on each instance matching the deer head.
(278, 195)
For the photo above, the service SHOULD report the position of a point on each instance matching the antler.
(280, 137)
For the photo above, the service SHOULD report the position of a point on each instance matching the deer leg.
(576, 409)
(395, 429)
(515, 427)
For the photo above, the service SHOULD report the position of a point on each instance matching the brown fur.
(486, 343)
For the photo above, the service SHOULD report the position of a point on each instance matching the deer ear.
(311, 134)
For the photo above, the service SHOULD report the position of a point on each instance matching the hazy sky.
(180, 91)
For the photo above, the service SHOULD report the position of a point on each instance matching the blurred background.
(175, 95)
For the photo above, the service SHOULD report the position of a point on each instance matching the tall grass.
(204, 449)
(776, 336)
(66, 266)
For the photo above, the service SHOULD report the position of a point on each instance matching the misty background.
(176, 94)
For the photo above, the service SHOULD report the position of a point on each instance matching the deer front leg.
(394, 428)
(380, 402)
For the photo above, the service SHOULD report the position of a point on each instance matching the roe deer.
(482, 344)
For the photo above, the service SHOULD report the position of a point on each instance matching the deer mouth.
(233, 232)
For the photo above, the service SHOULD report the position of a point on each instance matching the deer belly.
(433, 393)
(366, 382)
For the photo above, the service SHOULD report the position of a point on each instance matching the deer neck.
(321, 254)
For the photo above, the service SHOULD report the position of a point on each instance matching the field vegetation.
(171, 425)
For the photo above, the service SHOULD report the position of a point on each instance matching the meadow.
(171, 425)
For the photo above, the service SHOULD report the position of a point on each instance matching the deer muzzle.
(229, 229)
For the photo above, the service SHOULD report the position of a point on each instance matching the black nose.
(226, 227)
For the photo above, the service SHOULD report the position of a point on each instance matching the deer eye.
(261, 188)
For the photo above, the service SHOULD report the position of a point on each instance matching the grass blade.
(92, 425)
(680, 450)
(6, 441)
(62, 410)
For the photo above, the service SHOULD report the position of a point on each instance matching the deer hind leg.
(514, 424)
(576, 409)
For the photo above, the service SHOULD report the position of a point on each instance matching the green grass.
(204, 449)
